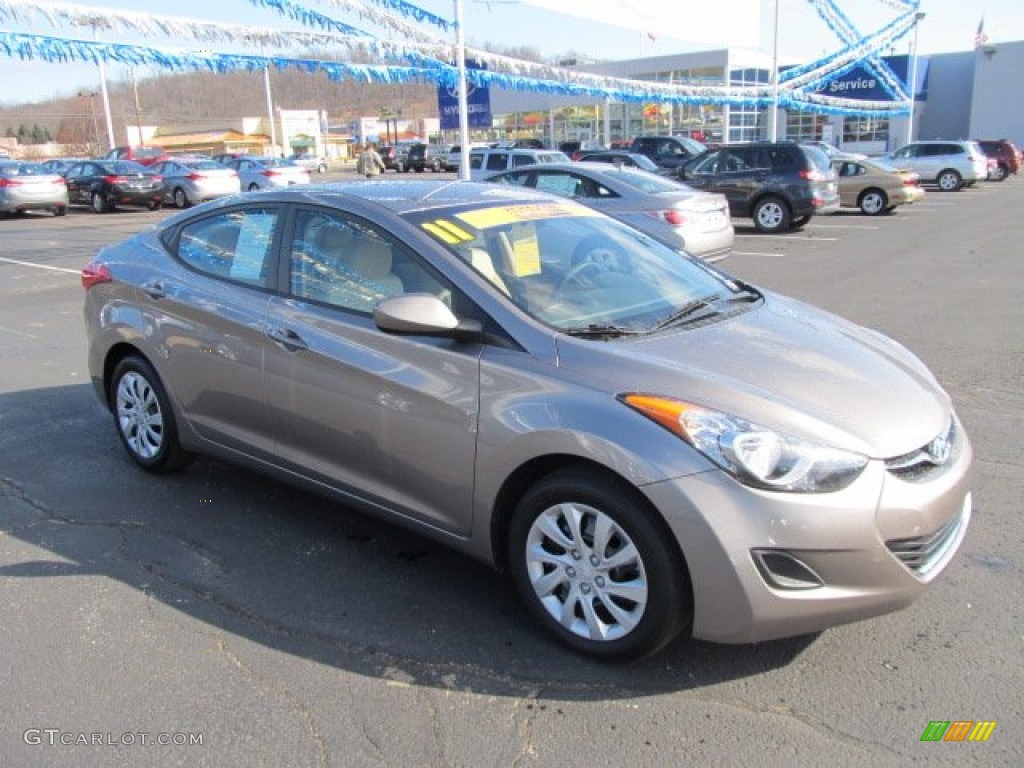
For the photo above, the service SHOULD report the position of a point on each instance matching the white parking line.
(752, 253)
(41, 266)
(842, 226)
(18, 333)
(792, 237)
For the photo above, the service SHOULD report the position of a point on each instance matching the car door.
(389, 419)
(73, 179)
(208, 314)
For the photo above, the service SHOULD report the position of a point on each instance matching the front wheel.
(592, 565)
(1000, 172)
(873, 202)
(771, 215)
(180, 198)
(144, 417)
(949, 181)
(60, 210)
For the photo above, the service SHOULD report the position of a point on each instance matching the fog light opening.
(784, 571)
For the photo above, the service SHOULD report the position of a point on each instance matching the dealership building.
(957, 96)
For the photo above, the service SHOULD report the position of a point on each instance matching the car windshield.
(575, 269)
(126, 167)
(22, 169)
(693, 146)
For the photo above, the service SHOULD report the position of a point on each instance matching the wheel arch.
(533, 471)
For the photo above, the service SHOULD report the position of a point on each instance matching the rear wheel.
(873, 202)
(144, 417)
(60, 210)
(949, 181)
(180, 198)
(771, 215)
(437, 166)
(592, 565)
(99, 203)
(155, 205)
(1000, 172)
(254, 187)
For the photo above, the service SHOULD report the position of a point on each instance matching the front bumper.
(869, 549)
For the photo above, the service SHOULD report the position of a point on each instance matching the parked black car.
(422, 157)
(671, 152)
(105, 184)
(779, 185)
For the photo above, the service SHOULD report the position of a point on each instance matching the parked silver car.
(311, 162)
(949, 164)
(256, 173)
(29, 187)
(683, 217)
(188, 181)
(648, 445)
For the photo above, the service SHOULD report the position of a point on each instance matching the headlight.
(753, 454)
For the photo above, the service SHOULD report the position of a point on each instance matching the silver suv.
(949, 164)
(487, 162)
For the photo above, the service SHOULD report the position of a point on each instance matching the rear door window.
(234, 245)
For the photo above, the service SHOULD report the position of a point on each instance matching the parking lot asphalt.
(282, 630)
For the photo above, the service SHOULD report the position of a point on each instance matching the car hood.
(784, 365)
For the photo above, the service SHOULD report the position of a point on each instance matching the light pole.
(912, 85)
(460, 63)
(91, 95)
(775, 75)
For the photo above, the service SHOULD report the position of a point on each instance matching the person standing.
(369, 163)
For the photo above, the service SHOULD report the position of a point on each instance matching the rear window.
(148, 152)
(22, 169)
(127, 166)
(817, 158)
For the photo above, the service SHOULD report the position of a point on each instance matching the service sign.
(863, 84)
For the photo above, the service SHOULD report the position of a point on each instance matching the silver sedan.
(267, 172)
(30, 187)
(685, 218)
(188, 181)
(648, 445)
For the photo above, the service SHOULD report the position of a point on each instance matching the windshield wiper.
(599, 331)
(685, 311)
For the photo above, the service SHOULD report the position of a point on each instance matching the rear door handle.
(154, 289)
(288, 339)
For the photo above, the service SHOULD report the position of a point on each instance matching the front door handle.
(288, 339)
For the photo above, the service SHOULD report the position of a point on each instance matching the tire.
(321, 168)
(949, 181)
(437, 166)
(144, 418)
(419, 169)
(155, 205)
(254, 187)
(771, 215)
(1000, 173)
(60, 210)
(99, 203)
(873, 202)
(615, 611)
(180, 198)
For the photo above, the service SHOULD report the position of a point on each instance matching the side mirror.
(423, 314)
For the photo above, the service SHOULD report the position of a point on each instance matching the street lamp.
(97, 23)
(912, 85)
(91, 95)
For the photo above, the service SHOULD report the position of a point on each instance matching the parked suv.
(949, 164)
(487, 162)
(1006, 155)
(779, 185)
(672, 152)
(420, 157)
(390, 156)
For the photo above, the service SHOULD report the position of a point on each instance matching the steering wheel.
(573, 275)
(597, 250)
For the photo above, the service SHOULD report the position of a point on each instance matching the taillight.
(195, 176)
(814, 175)
(673, 217)
(158, 179)
(911, 180)
(9, 183)
(94, 274)
(113, 179)
(270, 173)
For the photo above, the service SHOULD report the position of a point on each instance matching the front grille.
(924, 462)
(922, 554)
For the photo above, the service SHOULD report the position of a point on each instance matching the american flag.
(980, 38)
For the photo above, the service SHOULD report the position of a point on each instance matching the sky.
(948, 25)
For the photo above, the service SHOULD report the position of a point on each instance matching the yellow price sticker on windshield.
(525, 250)
(502, 215)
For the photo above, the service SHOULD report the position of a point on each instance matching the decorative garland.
(429, 62)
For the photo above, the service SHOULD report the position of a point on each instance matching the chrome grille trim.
(935, 455)
(923, 554)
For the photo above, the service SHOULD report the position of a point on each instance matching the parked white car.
(949, 164)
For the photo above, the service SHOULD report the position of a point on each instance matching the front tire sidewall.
(98, 202)
(668, 608)
(145, 382)
(180, 198)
